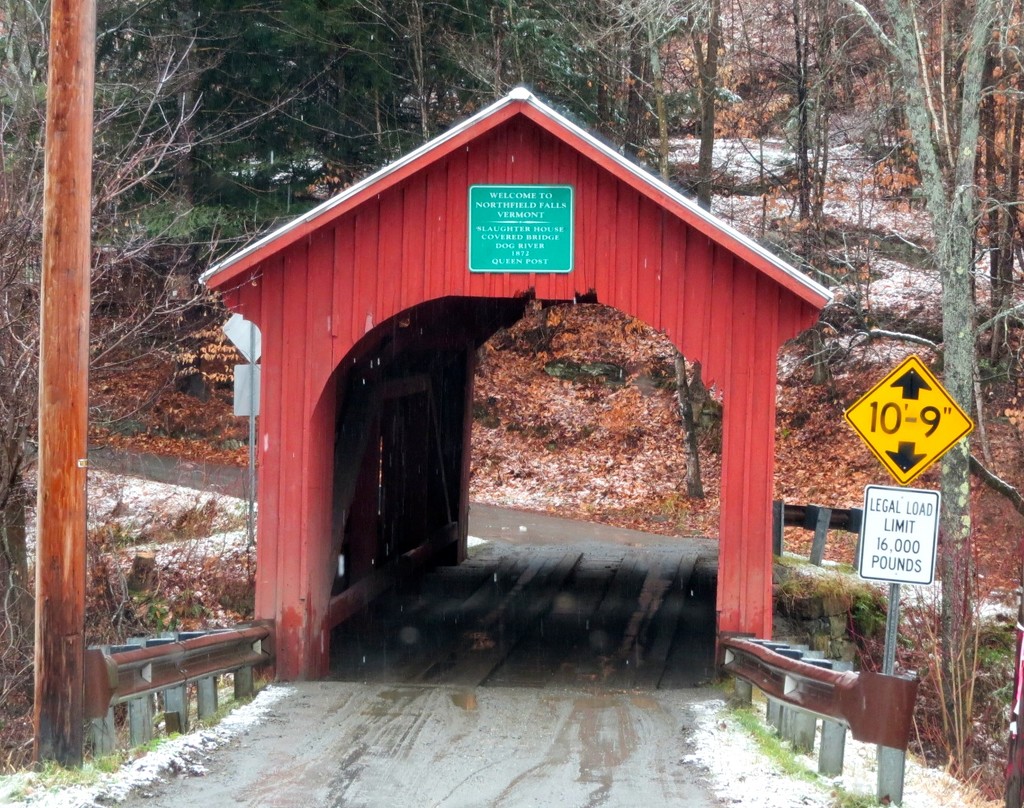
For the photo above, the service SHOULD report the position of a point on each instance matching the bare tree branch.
(997, 484)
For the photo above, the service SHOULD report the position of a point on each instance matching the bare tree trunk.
(803, 167)
(707, 66)
(636, 129)
(685, 391)
(827, 59)
(658, 80)
(694, 486)
(498, 39)
(416, 33)
(1004, 219)
(15, 598)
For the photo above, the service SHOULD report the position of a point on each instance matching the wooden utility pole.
(63, 384)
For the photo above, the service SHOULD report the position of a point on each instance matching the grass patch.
(51, 776)
(772, 747)
(780, 753)
(844, 799)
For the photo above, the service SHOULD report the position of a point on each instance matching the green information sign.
(520, 228)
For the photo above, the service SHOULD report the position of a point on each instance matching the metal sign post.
(892, 763)
(908, 420)
(246, 337)
(898, 544)
(1015, 764)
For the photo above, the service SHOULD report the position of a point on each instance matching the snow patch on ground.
(741, 775)
(138, 507)
(183, 754)
(745, 160)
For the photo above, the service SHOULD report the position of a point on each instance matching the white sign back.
(245, 336)
(899, 536)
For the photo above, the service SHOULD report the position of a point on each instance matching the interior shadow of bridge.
(592, 611)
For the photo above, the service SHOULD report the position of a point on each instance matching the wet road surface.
(335, 744)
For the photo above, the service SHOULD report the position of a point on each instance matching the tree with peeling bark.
(942, 79)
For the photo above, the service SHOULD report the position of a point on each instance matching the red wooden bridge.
(371, 315)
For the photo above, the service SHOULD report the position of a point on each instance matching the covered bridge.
(371, 308)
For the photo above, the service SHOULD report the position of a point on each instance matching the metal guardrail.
(124, 672)
(168, 665)
(878, 709)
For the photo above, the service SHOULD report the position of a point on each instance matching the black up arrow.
(906, 458)
(912, 384)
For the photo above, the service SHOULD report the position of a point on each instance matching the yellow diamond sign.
(908, 420)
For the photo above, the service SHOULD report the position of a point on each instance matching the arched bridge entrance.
(372, 305)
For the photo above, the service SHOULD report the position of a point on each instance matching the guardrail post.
(801, 730)
(206, 697)
(243, 683)
(891, 765)
(824, 516)
(104, 734)
(774, 715)
(176, 709)
(778, 524)
(140, 720)
(833, 748)
(744, 691)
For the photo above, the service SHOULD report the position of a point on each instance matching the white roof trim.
(522, 94)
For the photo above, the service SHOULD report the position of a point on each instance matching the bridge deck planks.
(539, 617)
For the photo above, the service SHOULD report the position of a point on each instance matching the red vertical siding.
(315, 469)
(456, 224)
(365, 271)
(292, 525)
(587, 230)
(671, 280)
(740, 587)
(647, 291)
(695, 301)
(413, 240)
(434, 231)
(271, 323)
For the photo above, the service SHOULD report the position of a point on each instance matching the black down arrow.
(912, 384)
(906, 458)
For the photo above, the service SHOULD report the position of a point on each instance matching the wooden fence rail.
(818, 518)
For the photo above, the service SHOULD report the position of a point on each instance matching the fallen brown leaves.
(586, 448)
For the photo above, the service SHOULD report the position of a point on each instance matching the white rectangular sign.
(899, 536)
